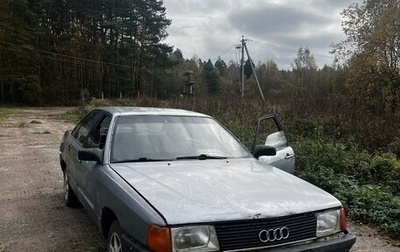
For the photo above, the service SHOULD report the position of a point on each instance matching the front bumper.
(342, 244)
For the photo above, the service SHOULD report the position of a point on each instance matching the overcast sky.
(275, 29)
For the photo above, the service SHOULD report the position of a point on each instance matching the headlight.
(328, 222)
(199, 238)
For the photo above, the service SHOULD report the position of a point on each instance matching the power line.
(270, 46)
(280, 48)
(220, 56)
(230, 48)
(61, 55)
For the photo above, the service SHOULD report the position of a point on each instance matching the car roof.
(150, 111)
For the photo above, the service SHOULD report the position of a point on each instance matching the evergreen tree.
(92, 46)
(220, 65)
(18, 59)
(211, 78)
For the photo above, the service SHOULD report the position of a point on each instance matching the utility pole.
(254, 72)
(244, 47)
(242, 66)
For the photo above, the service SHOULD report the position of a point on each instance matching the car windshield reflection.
(159, 138)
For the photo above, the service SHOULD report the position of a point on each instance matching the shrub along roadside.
(74, 115)
(367, 184)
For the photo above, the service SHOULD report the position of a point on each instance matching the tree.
(304, 68)
(18, 35)
(220, 65)
(103, 46)
(211, 78)
(272, 81)
(304, 61)
(372, 51)
(176, 56)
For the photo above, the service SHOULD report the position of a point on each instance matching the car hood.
(217, 190)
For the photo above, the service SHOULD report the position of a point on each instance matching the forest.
(342, 118)
(54, 52)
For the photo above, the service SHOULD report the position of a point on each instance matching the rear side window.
(81, 131)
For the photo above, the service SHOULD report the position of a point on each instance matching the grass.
(4, 112)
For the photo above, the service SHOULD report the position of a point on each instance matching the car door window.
(98, 133)
(277, 140)
(81, 131)
(270, 133)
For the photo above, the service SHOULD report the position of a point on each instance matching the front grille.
(243, 235)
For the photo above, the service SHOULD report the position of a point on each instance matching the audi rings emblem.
(271, 235)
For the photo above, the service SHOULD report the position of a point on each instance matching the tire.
(114, 240)
(70, 198)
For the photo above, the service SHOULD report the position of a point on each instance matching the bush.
(75, 115)
(366, 184)
(376, 205)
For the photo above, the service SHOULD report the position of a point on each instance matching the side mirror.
(91, 154)
(263, 150)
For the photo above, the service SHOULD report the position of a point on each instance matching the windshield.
(157, 138)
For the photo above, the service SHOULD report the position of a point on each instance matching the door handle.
(69, 147)
(289, 156)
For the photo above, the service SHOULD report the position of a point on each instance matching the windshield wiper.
(142, 159)
(201, 157)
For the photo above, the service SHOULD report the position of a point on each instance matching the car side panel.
(133, 212)
(85, 183)
(106, 189)
(284, 159)
(68, 155)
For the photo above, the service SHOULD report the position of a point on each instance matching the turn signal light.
(343, 220)
(159, 239)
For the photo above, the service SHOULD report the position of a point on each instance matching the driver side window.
(270, 133)
(97, 135)
(81, 131)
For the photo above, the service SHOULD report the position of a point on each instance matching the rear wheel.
(70, 198)
(114, 241)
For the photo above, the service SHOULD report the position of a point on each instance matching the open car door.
(270, 132)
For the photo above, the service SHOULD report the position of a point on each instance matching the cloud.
(276, 28)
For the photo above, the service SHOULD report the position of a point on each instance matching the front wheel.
(70, 198)
(114, 241)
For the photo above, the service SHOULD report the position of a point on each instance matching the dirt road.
(32, 214)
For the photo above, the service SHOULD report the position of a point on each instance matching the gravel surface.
(33, 216)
